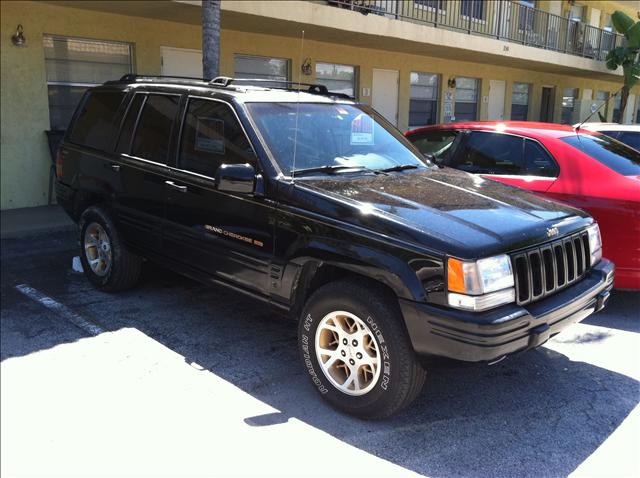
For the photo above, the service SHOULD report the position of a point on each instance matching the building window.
(73, 65)
(569, 97)
(466, 99)
(472, 8)
(576, 13)
(423, 103)
(337, 78)
(432, 4)
(526, 14)
(261, 67)
(603, 96)
(520, 101)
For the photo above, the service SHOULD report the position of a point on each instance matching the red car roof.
(532, 129)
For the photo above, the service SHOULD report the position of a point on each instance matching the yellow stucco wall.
(24, 156)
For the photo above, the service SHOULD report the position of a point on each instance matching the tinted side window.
(539, 163)
(630, 138)
(613, 154)
(492, 153)
(94, 125)
(152, 136)
(126, 133)
(211, 136)
(437, 143)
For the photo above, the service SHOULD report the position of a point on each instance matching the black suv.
(319, 207)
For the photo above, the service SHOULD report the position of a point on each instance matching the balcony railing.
(501, 19)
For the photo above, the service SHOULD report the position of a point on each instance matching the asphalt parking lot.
(175, 378)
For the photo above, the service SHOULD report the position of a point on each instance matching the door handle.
(113, 167)
(177, 187)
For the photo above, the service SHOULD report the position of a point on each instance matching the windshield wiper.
(332, 169)
(399, 167)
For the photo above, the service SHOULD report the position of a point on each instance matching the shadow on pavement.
(535, 414)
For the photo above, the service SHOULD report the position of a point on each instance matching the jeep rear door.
(229, 235)
(145, 140)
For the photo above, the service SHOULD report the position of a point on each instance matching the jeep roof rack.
(314, 89)
(231, 83)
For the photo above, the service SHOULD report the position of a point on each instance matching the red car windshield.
(613, 154)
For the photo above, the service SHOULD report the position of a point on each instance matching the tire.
(399, 377)
(111, 267)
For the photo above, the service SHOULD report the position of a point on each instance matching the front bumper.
(491, 335)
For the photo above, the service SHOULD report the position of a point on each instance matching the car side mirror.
(236, 178)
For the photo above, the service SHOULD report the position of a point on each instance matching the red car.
(581, 168)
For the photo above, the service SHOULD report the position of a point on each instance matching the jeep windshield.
(332, 138)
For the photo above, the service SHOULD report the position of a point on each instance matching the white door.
(181, 62)
(385, 94)
(496, 100)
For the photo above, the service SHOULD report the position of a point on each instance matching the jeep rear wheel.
(356, 350)
(106, 261)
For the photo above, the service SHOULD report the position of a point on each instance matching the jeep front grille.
(544, 270)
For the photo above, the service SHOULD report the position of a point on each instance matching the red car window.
(613, 154)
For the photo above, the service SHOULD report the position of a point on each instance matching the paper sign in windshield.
(362, 130)
(210, 135)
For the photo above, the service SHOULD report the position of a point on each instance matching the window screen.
(94, 126)
(466, 99)
(423, 104)
(337, 78)
(154, 128)
(73, 64)
(211, 136)
(520, 101)
(261, 67)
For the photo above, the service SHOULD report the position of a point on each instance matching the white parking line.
(59, 309)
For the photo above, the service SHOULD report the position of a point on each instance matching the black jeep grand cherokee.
(317, 206)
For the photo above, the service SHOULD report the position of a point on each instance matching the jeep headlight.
(595, 243)
(480, 285)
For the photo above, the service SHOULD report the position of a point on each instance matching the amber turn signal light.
(455, 276)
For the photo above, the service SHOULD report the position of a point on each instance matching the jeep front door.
(227, 235)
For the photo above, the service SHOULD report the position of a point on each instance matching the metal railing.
(501, 19)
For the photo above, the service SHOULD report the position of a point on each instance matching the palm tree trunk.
(210, 38)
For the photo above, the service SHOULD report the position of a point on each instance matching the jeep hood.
(453, 211)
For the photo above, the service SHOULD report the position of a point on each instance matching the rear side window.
(630, 138)
(126, 133)
(539, 162)
(613, 154)
(211, 136)
(95, 126)
(436, 143)
(492, 153)
(153, 134)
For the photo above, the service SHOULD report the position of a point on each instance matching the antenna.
(295, 131)
(577, 128)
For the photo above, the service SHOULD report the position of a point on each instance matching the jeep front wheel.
(356, 351)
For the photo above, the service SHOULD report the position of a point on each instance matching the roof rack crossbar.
(134, 76)
(316, 89)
